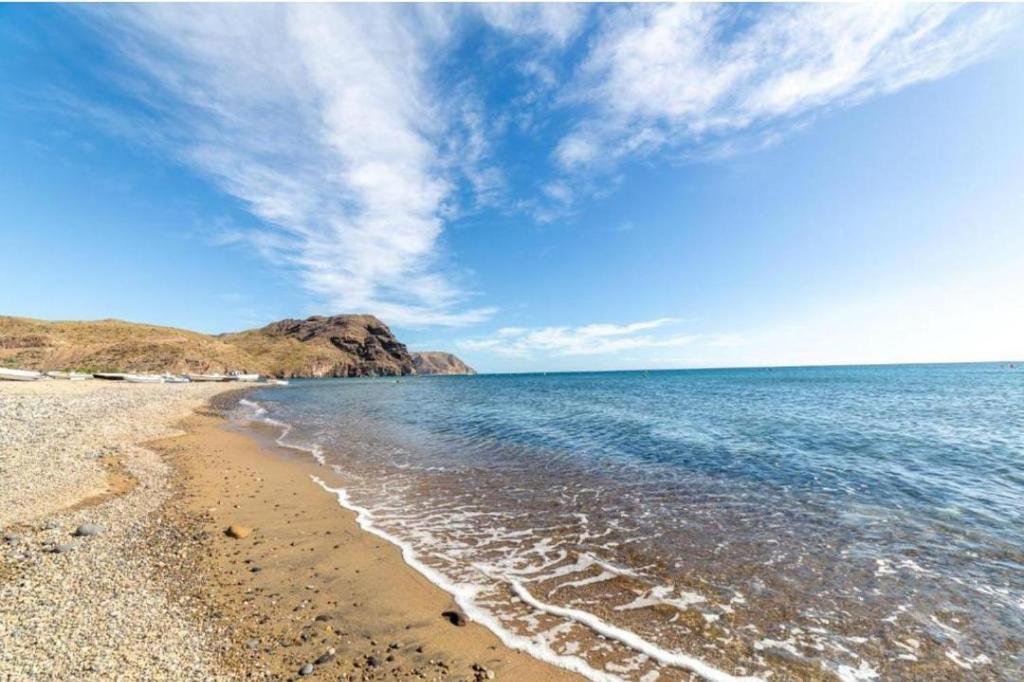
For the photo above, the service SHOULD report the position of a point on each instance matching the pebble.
(12, 538)
(88, 529)
(237, 532)
(326, 657)
(306, 669)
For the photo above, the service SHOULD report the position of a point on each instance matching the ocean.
(848, 523)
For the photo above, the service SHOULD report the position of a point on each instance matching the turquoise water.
(852, 522)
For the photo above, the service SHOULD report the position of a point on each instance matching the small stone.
(456, 618)
(252, 644)
(372, 661)
(12, 538)
(323, 617)
(88, 529)
(325, 657)
(63, 548)
(255, 569)
(238, 532)
(306, 669)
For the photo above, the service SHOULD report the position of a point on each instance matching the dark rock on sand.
(88, 529)
(325, 657)
(455, 618)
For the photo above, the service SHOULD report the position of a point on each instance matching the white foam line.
(463, 595)
(631, 639)
(286, 429)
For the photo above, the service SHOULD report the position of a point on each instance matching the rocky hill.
(338, 346)
(438, 362)
(342, 345)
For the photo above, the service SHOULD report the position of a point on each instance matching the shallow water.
(852, 522)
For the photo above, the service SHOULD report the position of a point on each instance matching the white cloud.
(557, 22)
(685, 75)
(323, 120)
(591, 339)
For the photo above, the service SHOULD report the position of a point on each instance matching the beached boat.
(19, 374)
(72, 376)
(208, 377)
(245, 377)
(109, 376)
(143, 379)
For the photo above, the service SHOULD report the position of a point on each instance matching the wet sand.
(308, 584)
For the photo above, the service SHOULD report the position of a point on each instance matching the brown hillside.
(342, 345)
(113, 345)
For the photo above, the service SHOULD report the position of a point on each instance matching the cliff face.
(337, 346)
(438, 362)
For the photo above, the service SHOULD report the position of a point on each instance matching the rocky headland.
(439, 362)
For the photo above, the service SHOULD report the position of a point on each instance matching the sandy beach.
(115, 561)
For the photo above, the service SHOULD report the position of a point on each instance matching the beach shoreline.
(306, 591)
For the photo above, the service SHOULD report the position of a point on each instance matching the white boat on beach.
(143, 379)
(70, 376)
(174, 379)
(245, 377)
(208, 377)
(19, 374)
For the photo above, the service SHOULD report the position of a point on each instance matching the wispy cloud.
(591, 339)
(557, 22)
(350, 135)
(326, 123)
(685, 77)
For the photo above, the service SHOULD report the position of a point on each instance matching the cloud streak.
(684, 77)
(591, 339)
(355, 138)
(324, 121)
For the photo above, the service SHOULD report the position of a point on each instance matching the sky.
(533, 187)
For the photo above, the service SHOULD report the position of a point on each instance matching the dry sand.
(163, 593)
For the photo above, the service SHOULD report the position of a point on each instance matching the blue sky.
(534, 187)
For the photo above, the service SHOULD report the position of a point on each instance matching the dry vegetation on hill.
(342, 345)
